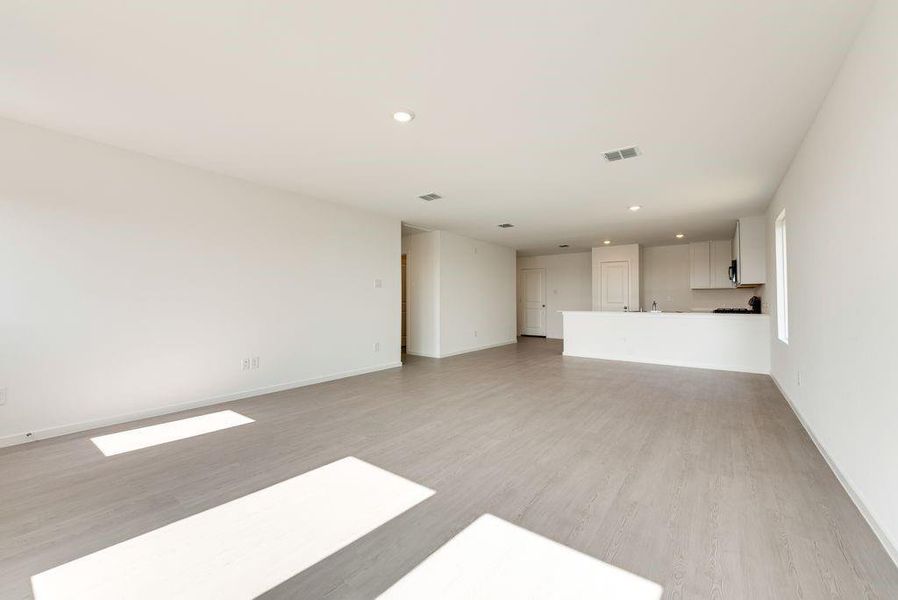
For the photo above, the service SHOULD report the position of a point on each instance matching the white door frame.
(524, 306)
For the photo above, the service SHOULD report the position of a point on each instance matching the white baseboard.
(457, 352)
(424, 354)
(50, 432)
(479, 348)
(855, 496)
(691, 365)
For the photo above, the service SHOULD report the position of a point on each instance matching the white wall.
(477, 295)
(461, 294)
(665, 278)
(422, 278)
(841, 210)
(133, 286)
(568, 286)
(629, 253)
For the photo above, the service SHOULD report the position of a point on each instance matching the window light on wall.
(782, 280)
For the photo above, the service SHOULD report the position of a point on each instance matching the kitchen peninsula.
(729, 342)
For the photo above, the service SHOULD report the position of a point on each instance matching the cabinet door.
(752, 251)
(700, 265)
(721, 256)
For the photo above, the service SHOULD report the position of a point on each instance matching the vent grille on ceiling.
(622, 153)
(430, 197)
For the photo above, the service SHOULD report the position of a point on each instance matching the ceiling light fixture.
(635, 207)
(606, 242)
(680, 236)
(403, 116)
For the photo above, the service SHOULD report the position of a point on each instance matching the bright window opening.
(782, 280)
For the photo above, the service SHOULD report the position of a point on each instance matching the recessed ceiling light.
(606, 242)
(403, 116)
(635, 207)
(680, 236)
(564, 245)
(505, 225)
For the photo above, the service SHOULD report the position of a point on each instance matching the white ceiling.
(515, 102)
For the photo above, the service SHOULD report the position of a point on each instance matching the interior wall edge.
(856, 497)
(60, 430)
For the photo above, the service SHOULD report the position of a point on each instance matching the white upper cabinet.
(721, 259)
(700, 265)
(709, 264)
(749, 251)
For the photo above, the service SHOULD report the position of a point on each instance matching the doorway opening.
(534, 300)
(404, 331)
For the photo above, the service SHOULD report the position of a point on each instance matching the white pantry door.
(534, 301)
(615, 285)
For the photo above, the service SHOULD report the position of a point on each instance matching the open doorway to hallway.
(410, 324)
(403, 335)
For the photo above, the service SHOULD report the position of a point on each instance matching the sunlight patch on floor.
(153, 435)
(239, 550)
(493, 559)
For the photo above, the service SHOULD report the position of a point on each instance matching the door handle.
(544, 305)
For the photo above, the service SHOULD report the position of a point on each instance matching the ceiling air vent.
(430, 197)
(622, 153)
(505, 225)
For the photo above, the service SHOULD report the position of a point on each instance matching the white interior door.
(534, 301)
(615, 284)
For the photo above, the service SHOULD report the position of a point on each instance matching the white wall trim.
(424, 354)
(855, 495)
(478, 348)
(466, 351)
(51, 432)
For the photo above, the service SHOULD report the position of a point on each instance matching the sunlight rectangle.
(153, 435)
(239, 550)
(492, 558)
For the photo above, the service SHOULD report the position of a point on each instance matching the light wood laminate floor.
(701, 481)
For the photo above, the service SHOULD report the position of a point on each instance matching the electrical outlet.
(3, 395)
(377, 346)
(246, 364)
(378, 283)
(475, 333)
(256, 362)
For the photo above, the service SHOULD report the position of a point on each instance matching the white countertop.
(676, 315)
